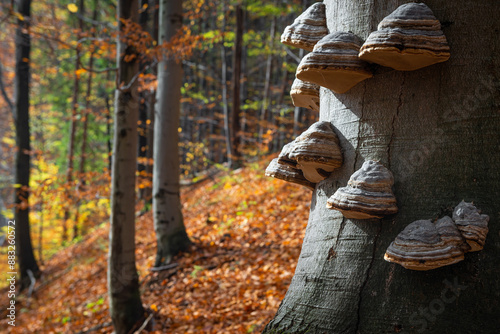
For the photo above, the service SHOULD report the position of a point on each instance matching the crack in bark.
(363, 285)
(356, 152)
(396, 116)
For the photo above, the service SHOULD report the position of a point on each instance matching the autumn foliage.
(247, 230)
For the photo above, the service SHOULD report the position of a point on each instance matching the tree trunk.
(72, 132)
(171, 234)
(267, 83)
(436, 129)
(235, 122)
(123, 286)
(144, 112)
(88, 94)
(85, 119)
(225, 106)
(24, 247)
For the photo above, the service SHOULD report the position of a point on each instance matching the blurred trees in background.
(235, 70)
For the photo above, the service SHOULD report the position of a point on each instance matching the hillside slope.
(246, 229)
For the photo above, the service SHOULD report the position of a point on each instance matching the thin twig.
(145, 323)
(99, 70)
(291, 54)
(135, 77)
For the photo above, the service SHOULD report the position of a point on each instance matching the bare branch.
(99, 70)
(291, 54)
(134, 79)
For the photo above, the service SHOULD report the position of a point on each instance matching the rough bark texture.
(22, 105)
(436, 129)
(169, 226)
(123, 286)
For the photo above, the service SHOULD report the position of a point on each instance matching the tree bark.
(171, 234)
(225, 106)
(72, 132)
(235, 122)
(436, 129)
(123, 285)
(88, 94)
(85, 119)
(144, 113)
(267, 83)
(24, 247)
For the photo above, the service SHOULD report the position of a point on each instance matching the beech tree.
(436, 129)
(27, 262)
(123, 283)
(171, 234)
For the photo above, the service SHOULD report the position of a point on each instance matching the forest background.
(73, 62)
(73, 80)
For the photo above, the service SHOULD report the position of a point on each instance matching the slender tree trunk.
(298, 111)
(235, 122)
(24, 247)
(171, 234)
(86, 111)
(281, 130)
(72, 131)
(142, 149)
(123, 286)
(225, 106)
(267, 83)
(108, 129)
(436, 129)
(85, 119)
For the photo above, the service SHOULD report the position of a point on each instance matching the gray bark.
(171, 234)
(123, 285)
(436, 129)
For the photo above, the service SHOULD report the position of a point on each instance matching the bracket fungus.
(408, 39)
(472, 224)
(317, 151)
(284, 157)
(368, 193)
(424, 245)
(307, 29)
(287, 173)
(334, 63)
(305, 94)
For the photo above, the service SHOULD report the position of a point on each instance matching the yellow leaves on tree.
(72, 8)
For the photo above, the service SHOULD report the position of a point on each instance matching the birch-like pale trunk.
(123, 284)
(171, 236)
(437, 130)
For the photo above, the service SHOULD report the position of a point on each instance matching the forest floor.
(247, 231)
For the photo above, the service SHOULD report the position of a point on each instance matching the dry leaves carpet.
(247, 231)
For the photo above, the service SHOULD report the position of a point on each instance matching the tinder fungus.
(408, 39)
(287, 173)
(307, 29)
(334, 63)
(368, 193)
(424, 245)
(305, 94)
(317, 151)
(284, 157)
(472, 224)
